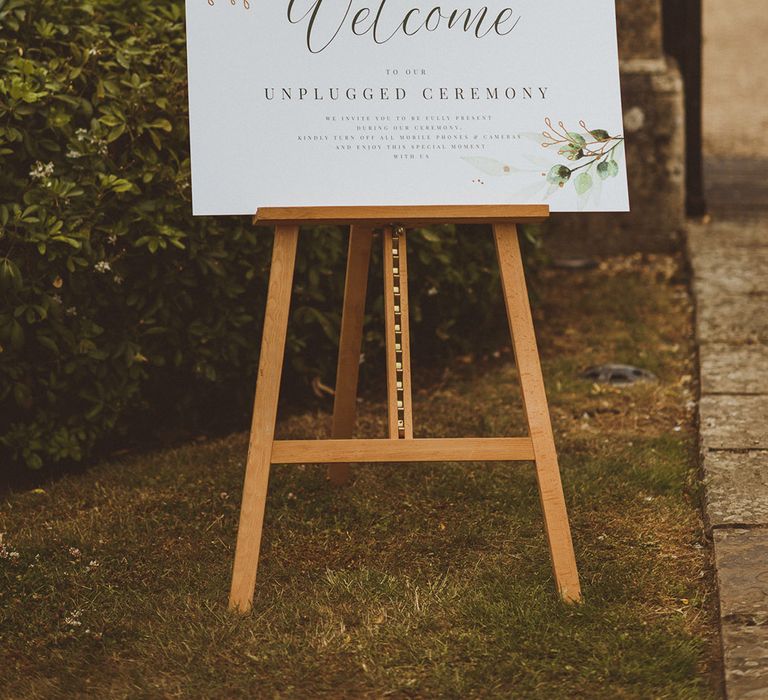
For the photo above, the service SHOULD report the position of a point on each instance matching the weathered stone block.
(745, 651)
(741, 272)
(737, 185)
(734, 422)
(741, 558)
(731, 318)
(747, 232)
(736, 487)
(639, 28)
(733, 369)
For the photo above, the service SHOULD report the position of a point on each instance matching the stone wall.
(654, 123)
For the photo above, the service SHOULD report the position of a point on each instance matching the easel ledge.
(405, 216)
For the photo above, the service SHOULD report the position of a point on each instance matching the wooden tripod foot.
(264, 418)
(350, 343)
(537, 412)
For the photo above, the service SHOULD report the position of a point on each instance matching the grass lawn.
(416, 581)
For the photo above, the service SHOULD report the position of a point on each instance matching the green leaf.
(608, 168)
(111, 120)
(571, 151)
(48, 342)
(69, 241)
(429, 235)
(559, 175)
(10, 275)
(17, 335)
(116, 133)
(163, 124)
(583, 183)
(600, 135)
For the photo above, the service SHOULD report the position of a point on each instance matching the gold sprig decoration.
(246, 3)
(596, 147)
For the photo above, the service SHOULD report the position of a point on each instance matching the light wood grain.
(264, 450)
(388, 450)
(408, 215)
(350, 343)
(537, 412)
(264, 417)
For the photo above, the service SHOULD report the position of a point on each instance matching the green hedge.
(119, 312)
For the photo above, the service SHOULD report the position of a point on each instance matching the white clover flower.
(118, 279)
(73, 619)
(56, 299)
(81, 135)
(41, 171)
(74, 552)
(71, 311)
(5, 552)
(102, 266)
(72, 153)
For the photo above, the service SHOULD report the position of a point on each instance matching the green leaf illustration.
(559, 175)
(572, 151)
(490, 166)
(608, 168)
(583, 183)
(573, 146)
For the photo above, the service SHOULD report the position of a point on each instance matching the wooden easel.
(342, 449)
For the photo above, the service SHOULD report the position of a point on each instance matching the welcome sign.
(405, 102)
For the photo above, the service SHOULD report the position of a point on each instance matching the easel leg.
(350, 343)
(264, 417)
(537, 412)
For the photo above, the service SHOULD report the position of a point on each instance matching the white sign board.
(405, 102)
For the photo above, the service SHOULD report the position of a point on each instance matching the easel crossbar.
(389, 450)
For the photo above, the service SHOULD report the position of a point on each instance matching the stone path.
(730, 264)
